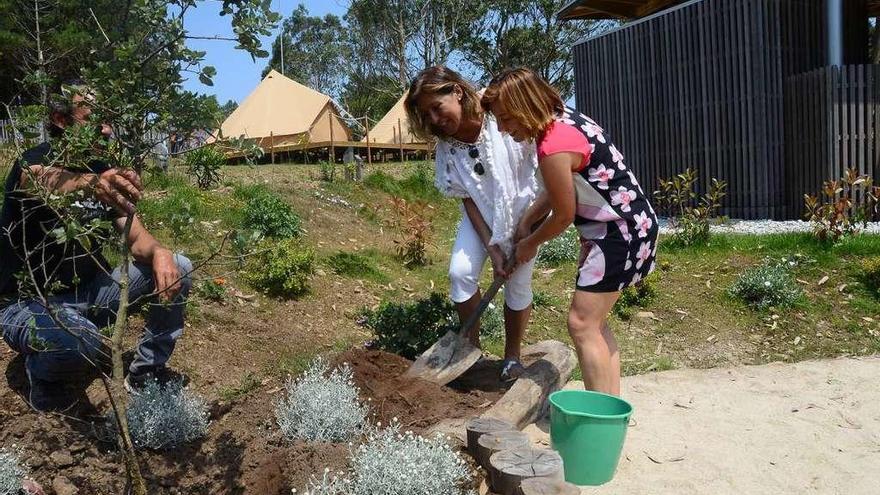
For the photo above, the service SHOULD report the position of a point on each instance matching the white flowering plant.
(165, 416)
(391, 462)
(322, 405)
(768, 285)
(328, 484)
(12, 472)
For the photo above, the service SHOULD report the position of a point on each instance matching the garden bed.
(243, 453)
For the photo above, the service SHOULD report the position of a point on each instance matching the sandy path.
(810, 427)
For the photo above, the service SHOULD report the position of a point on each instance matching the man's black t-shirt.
(26, 240)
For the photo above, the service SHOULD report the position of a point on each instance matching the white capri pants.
(468, 257)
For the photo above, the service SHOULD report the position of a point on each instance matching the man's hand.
(524, 251)
(165, 274)
(499, 261)
(119, 189)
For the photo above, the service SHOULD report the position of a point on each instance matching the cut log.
(526, 401)
(547, 486)
(490, 443)
(478, 427)
(511, 467)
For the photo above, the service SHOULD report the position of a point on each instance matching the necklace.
(472, 149)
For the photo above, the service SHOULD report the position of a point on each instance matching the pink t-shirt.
(562, 137)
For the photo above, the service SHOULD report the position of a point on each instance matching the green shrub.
(243, 244)
(564, 248)
(268, 214)
(844, 206)
(870, 274)
(328, 171)
(410, 329)
(419, 184)
(383, 182)
(282, 269)
(690, 231)
(355, 265)
(212, 290)
(638, 295)
(204, 165)
(767, 285)
(412, 220)
(676, 197)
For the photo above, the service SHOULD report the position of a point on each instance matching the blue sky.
(237, 74)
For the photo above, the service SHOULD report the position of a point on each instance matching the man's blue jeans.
(76, 349)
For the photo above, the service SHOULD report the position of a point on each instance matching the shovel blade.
(446, 360)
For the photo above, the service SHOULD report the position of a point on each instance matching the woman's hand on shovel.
(500, 264)
(524, 251)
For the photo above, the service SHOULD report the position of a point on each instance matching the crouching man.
(58, 293)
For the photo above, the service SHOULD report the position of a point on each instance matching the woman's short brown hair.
(438, 80)
(526, 96)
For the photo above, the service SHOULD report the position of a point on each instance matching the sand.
(810, 427)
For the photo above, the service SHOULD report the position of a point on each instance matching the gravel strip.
(764, 227)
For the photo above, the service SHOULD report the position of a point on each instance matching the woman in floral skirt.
(586, 182)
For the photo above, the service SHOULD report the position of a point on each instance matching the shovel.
(453, 354)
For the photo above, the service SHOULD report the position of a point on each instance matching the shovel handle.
(484, 303)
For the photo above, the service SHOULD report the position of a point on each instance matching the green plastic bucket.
(587, 429)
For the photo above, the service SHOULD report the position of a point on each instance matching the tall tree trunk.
(117, 386)
(401, 46)
(41, 63)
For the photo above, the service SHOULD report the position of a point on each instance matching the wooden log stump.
(547, 486)
(510, 467)
(478, 427)
(526, 401)
(490, 443)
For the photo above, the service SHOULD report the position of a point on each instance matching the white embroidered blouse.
(506, 186)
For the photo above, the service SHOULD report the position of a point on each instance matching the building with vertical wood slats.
(773, 96)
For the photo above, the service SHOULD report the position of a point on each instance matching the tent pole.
(369, 150)
(332, 146)
(400, 141)
(272, 146)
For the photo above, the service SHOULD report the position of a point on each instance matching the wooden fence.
(703, 86)
(832, 123)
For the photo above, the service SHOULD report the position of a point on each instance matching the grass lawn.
(692, 322)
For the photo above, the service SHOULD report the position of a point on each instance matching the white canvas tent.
(393, 128)
(282, 114)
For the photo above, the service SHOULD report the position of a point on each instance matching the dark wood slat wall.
(705, 87)
(843, 105)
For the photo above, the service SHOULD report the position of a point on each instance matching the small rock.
(320, 273)
(31, 487)
(77, 448)
(62, 458)
(645, 315)
(63, 486)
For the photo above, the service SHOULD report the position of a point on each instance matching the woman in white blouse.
(495, 178)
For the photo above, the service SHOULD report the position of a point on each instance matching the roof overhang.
(614, 9)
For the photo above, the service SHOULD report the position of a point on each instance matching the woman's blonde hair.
(438, 80)
(526, 96)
